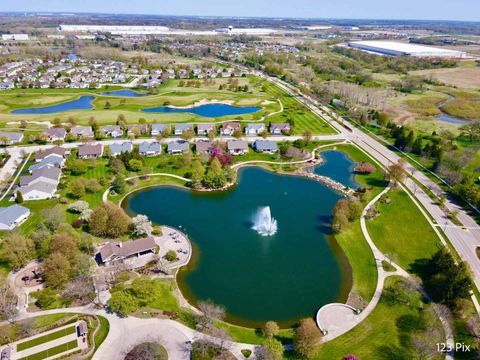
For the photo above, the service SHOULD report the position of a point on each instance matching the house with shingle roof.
(228, 128)
(89, 151)
(204, 147)
(279, 128)
(46, 174)
(82, 132)
(49, 162)
(54, 151)
(38, 191)
(55, 134)
(119, 148)
(181, 128)
(12, 216)
(115, 251)
(158, 129)
(204, 128)
(10, 138)
(150, 149)
(137, 128)
(177, 147)
(254, 129)
(237, 147)
(114, 131)
(265, 146)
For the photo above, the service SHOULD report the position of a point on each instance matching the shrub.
(171, 256)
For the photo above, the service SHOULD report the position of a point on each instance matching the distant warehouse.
(402, 49)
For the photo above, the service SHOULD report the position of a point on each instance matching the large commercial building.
(403, 49)
(116, 29)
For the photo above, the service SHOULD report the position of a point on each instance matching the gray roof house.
(177, 147)
(180, 128)
(114, 251)
(38, 191)
(55, 151)
(265, 146)
(205, 128)
(88, 151)
(158, 129)
(150, 149)
(82, 131)
(140, 128)
(119, 148)
(279, 128)
(204, 147)
(10, 138)
(237, 147)
(55, 134)
(115, 131)
(228, 128)
(49, 162)
(254, 129)
(12, 216)
(45, 174)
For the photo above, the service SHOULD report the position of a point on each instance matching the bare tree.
(210, 313)
(8, 302)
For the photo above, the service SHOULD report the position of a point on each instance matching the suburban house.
(49, 175)
(12, 216)
(49, 162)
(204, 129)
(115, 251)
(119, 148)
(114, 131)
(150, 149)
(204, 147)
(136, 129)
(279, 128)
(158, 129)
(228, 128)
(180, 128)
(82, 131)
(55, 134)
(39, 191)
(89, 151)
(265, 146)
(254, 129)
(54, 151)
(237, 147)
(10, 138)
(177, 147)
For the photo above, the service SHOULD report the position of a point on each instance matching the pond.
(339, 167)
(283, 277)
(209, 110)
(451, 120)
(124, 93)
(82, 103)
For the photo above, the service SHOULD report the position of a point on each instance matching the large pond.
(82, 103)
(283, 277)
(123, 93)
(209, 110)
(339, 167)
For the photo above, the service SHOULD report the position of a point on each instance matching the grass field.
(46, 338)
(53, 351)
(402, 232)
(379, 336)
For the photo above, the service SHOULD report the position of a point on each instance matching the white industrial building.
(393, 48)
(15, 37)
(116, 29)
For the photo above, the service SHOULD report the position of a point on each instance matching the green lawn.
(253, 336)
(379, 337)
(401, 231)
(302, 117)
(102, 333)
(46, 338)
(53, 351)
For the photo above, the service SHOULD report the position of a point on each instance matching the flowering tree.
(141, 225)
(350, 357)
(224, 158)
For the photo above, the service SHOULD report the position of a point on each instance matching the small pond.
(123, 93)
(339, 167)
(82, 103)
(209, 110)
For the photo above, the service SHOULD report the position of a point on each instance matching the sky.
(343, 9)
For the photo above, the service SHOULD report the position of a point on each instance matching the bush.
(171, 256)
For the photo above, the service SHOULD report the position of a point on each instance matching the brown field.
(462, 77)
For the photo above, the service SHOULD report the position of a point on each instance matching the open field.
(401, 231)
(462, 77)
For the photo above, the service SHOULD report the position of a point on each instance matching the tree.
(8, 301)
(119, 184)
(18, 250)
(56, 270)
(210, 312)
(187, 135)
(171, 256)
(470, 130)
(397, 172)
(307, 338)
(80, 289)
(198, 170)
(77, 167)
(109, 220)
(135, 165)
(270, 329)
(53, 217)
(78, 206)
(123, 302)
(271, 349)
(66, 245)
(76, 188)
(141, 226)
(19, 197)
(307, 136)
(237, 134)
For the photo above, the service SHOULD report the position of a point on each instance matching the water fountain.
(264, 223)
